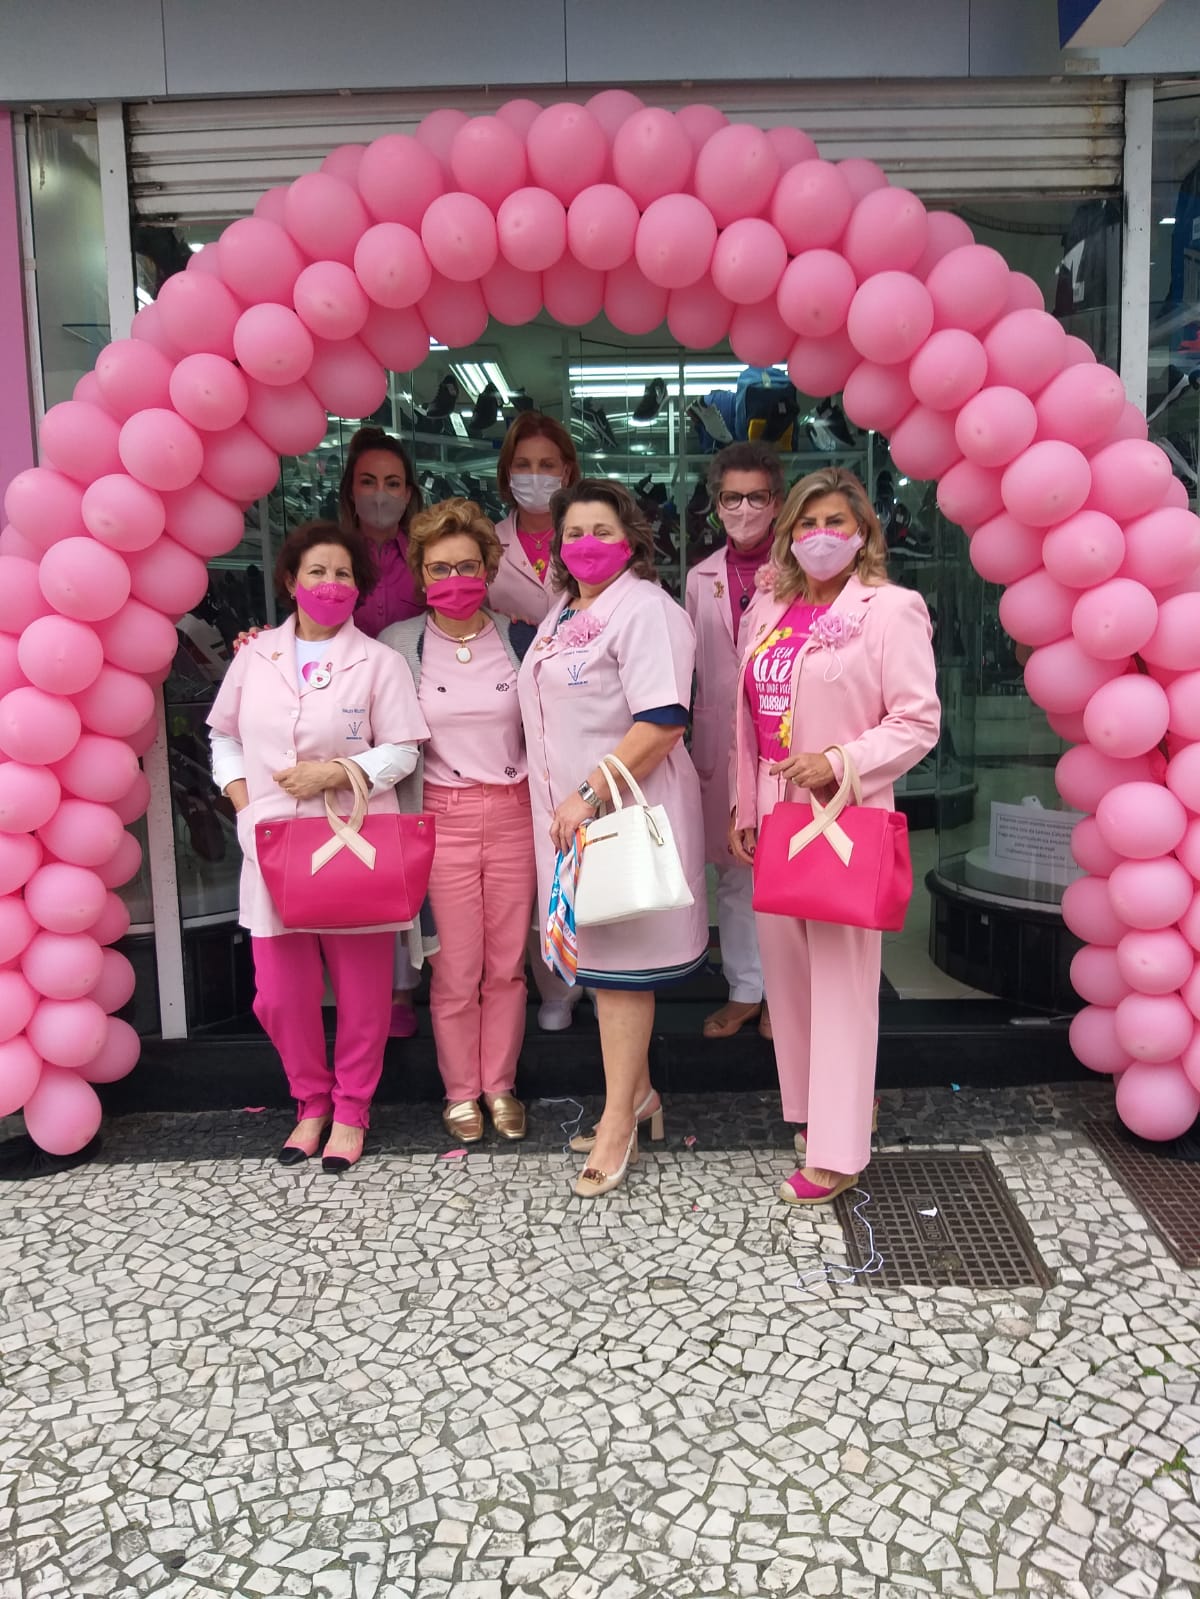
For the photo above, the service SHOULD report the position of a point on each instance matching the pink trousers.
(481, 884)
(291, 982)
(822, 987)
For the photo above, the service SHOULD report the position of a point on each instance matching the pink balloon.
(64, 899)
(115, 986)
(815, 291)
(347, 379)
(631, 302)
(392, 266)
(20, 1068)
(329, 300)
(82, 832)
(125, 863)
(168, 577)
(699, 316)
(1088, 913)
(208, 391)
(1037, 610)
(88, 388)
(18, 547)
(399, 340)
(877, 396)
(290, 420)
(1175, 642)
(862, 176)
(1062, 676)
(1126, 717)
(67, 1032)
(890, 317)
(29, 797)
(11, 675)
(98, 768)
(1157, 1102)
(1129, 478)
(1081, 405)
(925, 445)
(20, 857)
(675, 241)
(790, 144)
(1114, 620)
(1177, 495)
(700, 122)
(80, 440)
(567, 150)
(113, 922)
(748, 262)
(736, 173)
(161, 450)
(44, 506)
(123, 513)
(259, 260)
(135, 802)
(1094, 1040)
(1131, 424)
(399, 178)
(1046, 484)
(17, 927)
(437, 131)
(117, 704)
(207, 260)
(1096, 975)
(1089, 851)
(83, 579)
(459, 235)
(17, 1004)
(887, 232)
(1024, 295)
(273, 345)
(1183, 699)
(1086, 549)
(811, 206)
(611, 108)
(61, 965)
(602, 226)
(1025, 349)
(574, 294)
(945, 232)
(970, 495)
(1151, 894)
(531, 227)
(947, 370)
(968, 287)
(455, 313)
(21, 599)
(1162, 548)
(60, 655)
(512, 296)
(138, 639)
(816, 366)
(63, 1113)
(325, 216)
(759, 336)
(117, 1056)
(344, 161)
(995, 426)
(1155, 962)
(1084, 775)
(198, 313)
(487, 159)
(1003, 550)
(652, 156)
(133, 375)
(238, 465)
(1153, 1027)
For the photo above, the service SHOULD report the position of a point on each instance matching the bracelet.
(588, 795)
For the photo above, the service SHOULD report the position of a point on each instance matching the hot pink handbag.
(331, 873)
(836, 862)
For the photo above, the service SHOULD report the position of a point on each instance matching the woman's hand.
(806, 771)
(244, 638)
(567, 819)
(742, 843)
(308, 778)
(238, 794)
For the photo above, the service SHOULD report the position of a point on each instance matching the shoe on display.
(487, 410)
(834, 418)
(653, 399)
(706, 417)
(446, 398)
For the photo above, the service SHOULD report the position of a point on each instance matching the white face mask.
(823, 555)
(533, 491)
(379, 508)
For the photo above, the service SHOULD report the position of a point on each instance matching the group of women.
(409, 652)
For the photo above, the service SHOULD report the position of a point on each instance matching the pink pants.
(822, 987)
(481, 883)
(291, 982)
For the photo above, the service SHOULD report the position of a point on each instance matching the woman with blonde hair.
(837, 655)
(471, 775)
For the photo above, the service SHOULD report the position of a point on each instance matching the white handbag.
(630, 865)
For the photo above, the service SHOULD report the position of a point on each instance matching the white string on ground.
(569, 1128)
(872, 1264)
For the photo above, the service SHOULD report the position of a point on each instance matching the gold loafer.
(508, 1116)
(464, 1120)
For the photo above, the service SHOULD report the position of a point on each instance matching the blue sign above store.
(1102, 24)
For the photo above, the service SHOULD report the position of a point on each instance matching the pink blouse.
(768, 679)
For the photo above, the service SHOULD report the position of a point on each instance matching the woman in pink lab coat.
(611, 673)
(296, 699)
(836, 655)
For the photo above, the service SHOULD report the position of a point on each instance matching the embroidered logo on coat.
(355, 731)
(575, 677)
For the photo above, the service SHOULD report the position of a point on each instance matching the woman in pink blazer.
(836, 655)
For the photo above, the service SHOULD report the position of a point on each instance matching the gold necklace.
(462, 653)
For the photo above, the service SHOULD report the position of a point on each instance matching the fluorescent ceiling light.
(474, 377)
(1166, 222)
(640, 371)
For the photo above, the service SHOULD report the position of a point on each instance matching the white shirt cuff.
(228, 759)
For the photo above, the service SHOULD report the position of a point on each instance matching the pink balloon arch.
(722, 231)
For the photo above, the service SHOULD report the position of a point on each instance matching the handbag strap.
(825, 817)
(347, 834)
(631, 782)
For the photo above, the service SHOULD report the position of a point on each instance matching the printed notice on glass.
(1027, 841)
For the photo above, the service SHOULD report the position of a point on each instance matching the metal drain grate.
(941, 1220)
(1167, 1190)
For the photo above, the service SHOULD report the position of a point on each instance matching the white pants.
(739, 936)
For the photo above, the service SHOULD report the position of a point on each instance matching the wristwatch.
(588, 795)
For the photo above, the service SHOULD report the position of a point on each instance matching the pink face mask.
(328, 604)
(456, 597)
(823, 555)
(591, 560)
(746, 524)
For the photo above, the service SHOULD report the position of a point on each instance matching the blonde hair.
(444, 520)
(870, 564)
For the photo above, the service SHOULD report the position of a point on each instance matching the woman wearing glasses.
(473, 774)
(745, 485)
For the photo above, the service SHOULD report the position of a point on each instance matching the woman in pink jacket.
(537, 459)
(836, 655)
(378, 497)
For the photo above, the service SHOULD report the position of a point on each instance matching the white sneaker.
(555, 1017)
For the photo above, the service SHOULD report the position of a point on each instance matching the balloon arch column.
(723, 231)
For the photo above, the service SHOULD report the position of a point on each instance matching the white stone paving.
(455, 1379)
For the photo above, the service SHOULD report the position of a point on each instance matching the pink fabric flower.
(579, 630)
(834, 628)
(766, 577)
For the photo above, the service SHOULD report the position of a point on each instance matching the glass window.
(1173, 394)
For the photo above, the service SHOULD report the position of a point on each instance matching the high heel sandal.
(650, 1110)
(340, 1163)
(591, 1182)
(800, 1140)
(295, 1150)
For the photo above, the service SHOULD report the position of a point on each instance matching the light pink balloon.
(132, 376)
(398, 339)
(1129, 478)
(862, 176)
(1003, 550)
(632, 303)
(817, 366)
(117, 704)
(238, 465)
(924, 444)
(84, 579)
(123, 513)
(1081, 405)
(325, 216)
(531, 228)
(273, 344)
(890, 317)
(17, 927)
(80, 440)
(1126, 717)
(17, 546)
(610, 107)
(652, 156)
(567, 150)
(437, 130)
(82, 832)
(887, 232)
(1089, 850)
(1175, 642)
(1088, 913)
(206, 260)
(487, 159)
(346, 378)
(63, 1112)
(700, 122)
(330, 301)
(44, 506)
(945, 232)
(398, 178)
(344, 161)
(948, 369)
(1177, 495)
(392, 266)
(736, 173)
(60, 655)
(995, 426)
(11, 675)
(1046, 484)
(699, 316)
(208, 391)
(1025, 349)
(67, 1032)
(1153, 1027)
(1094, 1041)
(1157, 1102)
(1024, 294)
(1036, 610)
(138, 639)
(21, 599)
(113, 922)
(602, 226)
(811, 206)
(791, 145)
(1062, 676)
(88, 387)
(64, 899)
(970, 496)
(115, 985)
(574, 293)
(18, 1001)
(204, 521)
(290, 420)
(135, 802)
(1084, 775)
(168, 577)
(748, 262)
(455, 313)
(675, 241)
(20, 1068)
(124, 865)
(1115, 619)
(117, 1056)
(20, 857)
(1155, 962)
(815, 291)
(968, 287)
(161, 450)
(758, 336)
(29, 797)
(1183, 698)
(61, 965)
(198, 313)
(1096, 976)
(459, 235)
(1086, 549)
(877, 396)
(1162, 548)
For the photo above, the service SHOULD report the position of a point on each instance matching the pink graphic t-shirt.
(769, 679)
(537, 548)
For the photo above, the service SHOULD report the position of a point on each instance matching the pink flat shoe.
(797, 1190)
(404, 1020)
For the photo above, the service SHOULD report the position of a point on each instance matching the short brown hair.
(870, 564)
(745, 457)
(373, 438)
(443, 521)
(533, 425)
(619, 500)
(306, 537)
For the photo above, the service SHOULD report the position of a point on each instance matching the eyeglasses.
(438, 570)
(730, 499)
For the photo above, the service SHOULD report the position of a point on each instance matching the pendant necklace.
(744, 601)
(462, 653)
